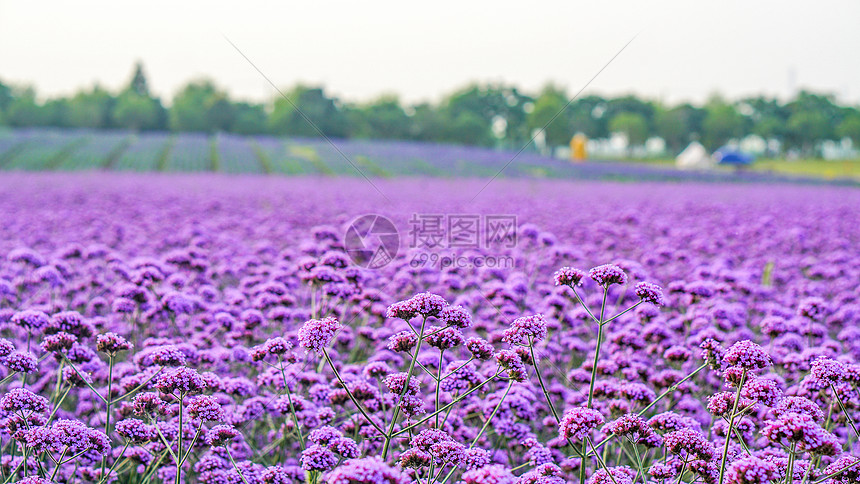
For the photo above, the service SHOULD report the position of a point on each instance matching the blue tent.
(728, 156)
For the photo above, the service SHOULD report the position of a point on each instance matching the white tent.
(694, 156)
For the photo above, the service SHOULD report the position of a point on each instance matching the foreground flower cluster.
(233, 348)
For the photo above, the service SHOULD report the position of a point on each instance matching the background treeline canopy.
(485, 115)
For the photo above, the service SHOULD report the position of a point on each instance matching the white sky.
(686, 50)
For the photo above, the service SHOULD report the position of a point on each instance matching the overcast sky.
(685, 50)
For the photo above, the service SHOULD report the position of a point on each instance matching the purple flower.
(181, 379)
(135, 431)
(798, 428)
(448, 452)
(30, 319)
(480, 349)
(491, 474)
(616, 475)
(147, 403)
(316, 334)
(367, 470)
(112, 343)
(427, 304)
(631, 426)
(415, 459)
(59, 342)
(762, 390)
(747, 355)
(444, 338)
(345, 447)
(428, 437)
(828, 370)
(475, 458)
(23, 362)
(813, 308)
(608, 274)
(317, 458)
(220, 435)
(651, 293)
(177, 303)
(512, 363)
(689, 442)
(396, 384)
(456, 316)
(578, 422)
(324, 435)
(403, 341)
(799, 405)
(206, 408)
(751, 470)
(568, 276)
(526, 330)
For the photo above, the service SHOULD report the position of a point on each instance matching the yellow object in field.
(577, 147)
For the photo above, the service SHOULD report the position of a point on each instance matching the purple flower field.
(214, 329)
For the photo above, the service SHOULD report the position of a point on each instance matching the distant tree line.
(485, 115)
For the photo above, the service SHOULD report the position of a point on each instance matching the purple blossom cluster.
(650, 338)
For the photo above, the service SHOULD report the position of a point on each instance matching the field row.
(81, 150)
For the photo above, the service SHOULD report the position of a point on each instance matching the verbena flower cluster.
(162, 336)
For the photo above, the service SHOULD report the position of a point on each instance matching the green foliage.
(383, 118)
(850, 127)
(490, 114)
(200, 106)
(307, 112)
(137, 112)
(722, 122)
(633, 125)
(548, 114)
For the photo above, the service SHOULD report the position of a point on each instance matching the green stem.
(789, 473)
(844, 411)
(107, 407)
(536, 363)
(493, 414)
(290, 401)
(446, 407)
(388, 435)
(640, 470)
(681, 474)
(227, 448)
(438, 383)
(656, 400)
(731, 426)
(349, 394)
(179, 440)
(600, 459)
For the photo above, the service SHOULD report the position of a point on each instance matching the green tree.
(850, 126)
(722, 122)
(813, 118)
(383, 118)
(312, 102)
(673, 126)
(6, 99)
(633, 125)
(550, 104)
(494, 104)
(91, 109)
(428, 123)
(249, 119)
(467, 129)
(200, 106)
(136, 112)
(138, 84)
(24, 111)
